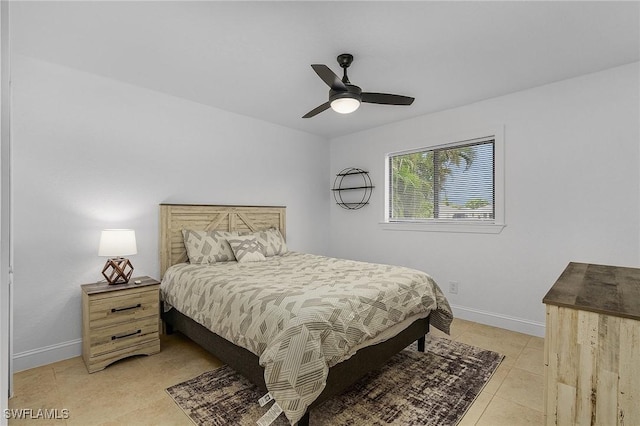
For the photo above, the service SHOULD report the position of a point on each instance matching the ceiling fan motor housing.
(353, 92)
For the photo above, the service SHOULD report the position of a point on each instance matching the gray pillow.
(205, 247)
(272, 242)
(246, 248)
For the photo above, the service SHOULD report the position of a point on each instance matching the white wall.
(92, 153)
(572, 194)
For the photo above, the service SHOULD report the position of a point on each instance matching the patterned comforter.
(301, 313)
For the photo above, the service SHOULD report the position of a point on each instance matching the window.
(454, 183)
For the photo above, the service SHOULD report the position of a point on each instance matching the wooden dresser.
(119, 321)
(592, 347)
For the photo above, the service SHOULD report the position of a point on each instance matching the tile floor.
(132, 391)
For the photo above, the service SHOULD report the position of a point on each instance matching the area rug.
(414, 388)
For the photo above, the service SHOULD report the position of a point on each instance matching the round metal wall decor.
(352, 188)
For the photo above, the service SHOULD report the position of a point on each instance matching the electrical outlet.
(453, 287)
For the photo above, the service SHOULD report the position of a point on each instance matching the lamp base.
(117, 270)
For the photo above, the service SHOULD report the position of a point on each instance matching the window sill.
(468, 227)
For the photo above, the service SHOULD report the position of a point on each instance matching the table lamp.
(116, 243)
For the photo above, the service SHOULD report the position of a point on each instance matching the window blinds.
(452, 183)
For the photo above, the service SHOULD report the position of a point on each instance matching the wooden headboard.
(176, 217)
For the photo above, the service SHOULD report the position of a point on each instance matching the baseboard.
(46, 355)
(507, 322)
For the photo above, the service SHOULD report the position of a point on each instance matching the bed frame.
(175, 217)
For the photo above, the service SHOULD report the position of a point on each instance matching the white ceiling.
(253, 58)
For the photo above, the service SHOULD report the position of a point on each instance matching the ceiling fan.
(345, 97)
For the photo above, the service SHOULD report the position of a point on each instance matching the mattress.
(302, 313)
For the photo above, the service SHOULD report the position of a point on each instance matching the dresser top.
(610, 290)
(104, 287)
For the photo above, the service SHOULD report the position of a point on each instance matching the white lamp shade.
(117, 243)
(345, 105)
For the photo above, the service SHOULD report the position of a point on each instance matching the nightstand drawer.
(123, 335)
(123, 308)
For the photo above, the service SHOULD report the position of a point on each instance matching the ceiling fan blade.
(317, 110)
(329, 77)
(386, 99)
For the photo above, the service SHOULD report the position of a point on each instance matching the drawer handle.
(127, 308)
(122, 336)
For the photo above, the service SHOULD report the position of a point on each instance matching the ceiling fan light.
(345, 105)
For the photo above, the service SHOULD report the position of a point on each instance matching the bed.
(363, 352)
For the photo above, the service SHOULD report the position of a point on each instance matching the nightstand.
(119, 321)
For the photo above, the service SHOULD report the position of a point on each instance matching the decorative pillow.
(205, 247)
(272, 242)
(246, 248)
